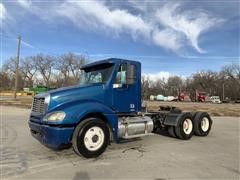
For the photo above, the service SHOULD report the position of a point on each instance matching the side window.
(121, 77)
(131, 74)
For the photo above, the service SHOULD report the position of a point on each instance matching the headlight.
(47, 99)
(56, 116)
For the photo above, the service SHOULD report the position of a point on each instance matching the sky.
(167, 37)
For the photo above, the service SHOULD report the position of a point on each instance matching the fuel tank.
(134, 126)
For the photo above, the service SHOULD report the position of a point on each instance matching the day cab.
(105, 107)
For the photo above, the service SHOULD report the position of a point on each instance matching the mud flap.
(172, 119)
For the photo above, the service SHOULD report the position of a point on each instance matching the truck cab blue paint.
(108, 98)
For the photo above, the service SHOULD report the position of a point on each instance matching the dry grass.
(212, 109)
(24, 102)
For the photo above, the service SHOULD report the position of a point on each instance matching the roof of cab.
(106, 61)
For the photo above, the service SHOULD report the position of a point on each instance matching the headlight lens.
(47, 99)
(56, 116)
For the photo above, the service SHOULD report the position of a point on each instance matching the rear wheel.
(202, 124)
(185, 130)
(171, 131)
(90, 138)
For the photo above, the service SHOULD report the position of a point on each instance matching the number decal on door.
(132, 107)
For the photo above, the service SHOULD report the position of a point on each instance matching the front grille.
(38, 105)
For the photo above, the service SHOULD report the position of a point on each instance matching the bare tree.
(9, 66)
(174, 85)
(28, 69)
(69, 66)
(10, 69)
(44, 65)
(5, 81)
(232, 71)
(145, 87)
(231, 80)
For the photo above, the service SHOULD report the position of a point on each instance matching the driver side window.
(121, 77)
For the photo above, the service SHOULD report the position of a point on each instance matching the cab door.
(125, 96)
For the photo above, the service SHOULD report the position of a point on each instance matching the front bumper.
(52, 137)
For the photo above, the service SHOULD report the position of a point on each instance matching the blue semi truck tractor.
(106, 107)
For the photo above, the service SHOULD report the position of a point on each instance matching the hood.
(63, 89)
(76, 93)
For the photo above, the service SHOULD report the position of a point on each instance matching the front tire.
(90, 138)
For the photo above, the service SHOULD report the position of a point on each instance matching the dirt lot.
(155, 157)
(214, 109)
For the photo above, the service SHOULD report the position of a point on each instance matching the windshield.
(96, 74)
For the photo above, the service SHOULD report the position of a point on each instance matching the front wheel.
(90, 138)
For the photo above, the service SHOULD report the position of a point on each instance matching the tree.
(9, 68)
(231, 80)
(69, 67)
(44, 65)
(174, 85)
(28, 69)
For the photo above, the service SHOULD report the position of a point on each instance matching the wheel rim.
(94, 138)
(187, 126)
(205, 124)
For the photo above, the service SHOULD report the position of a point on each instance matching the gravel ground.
(155, 157)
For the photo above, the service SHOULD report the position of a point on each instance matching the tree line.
(225, 83)
(64, 70)
(51, 71)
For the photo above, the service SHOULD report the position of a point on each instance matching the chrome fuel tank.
(133, 126)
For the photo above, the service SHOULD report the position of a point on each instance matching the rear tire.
(171, 131)
(185, 128)
(202, 124)
(90, 138)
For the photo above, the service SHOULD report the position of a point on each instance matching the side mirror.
(130, 74)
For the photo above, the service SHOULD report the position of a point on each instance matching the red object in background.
(184, 96)
(201, 96)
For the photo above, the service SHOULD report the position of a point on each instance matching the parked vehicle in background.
(160, 97)
(202, 96)
(215, 99)
(226, 100)
(184, 96)
(37, 89)
(153, 98)
(171, 98)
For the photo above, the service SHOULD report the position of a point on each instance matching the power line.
(29, 45)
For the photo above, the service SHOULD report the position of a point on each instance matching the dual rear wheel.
(198, 123)
(202, 124)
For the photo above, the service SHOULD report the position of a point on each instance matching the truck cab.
(104, 107)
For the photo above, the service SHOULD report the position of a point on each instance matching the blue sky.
(168, 37)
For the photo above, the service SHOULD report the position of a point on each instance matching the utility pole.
(17, 67)
(223, 92)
